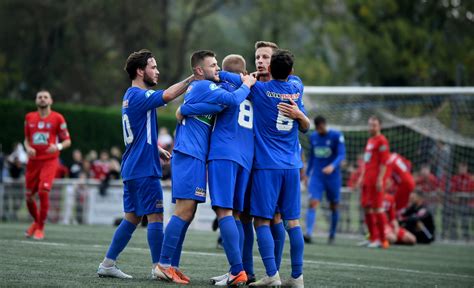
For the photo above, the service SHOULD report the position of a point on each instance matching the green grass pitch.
(69, 256)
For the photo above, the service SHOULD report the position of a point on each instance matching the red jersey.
(389, 207)
(462, 183)
(42, 132)
(427, 183)
(400, 168)
(376, 154)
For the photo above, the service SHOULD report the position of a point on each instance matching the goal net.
(433, 127)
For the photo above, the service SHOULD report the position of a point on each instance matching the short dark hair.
(261, 44)
(318, 120)
(375, 117)
(199, 56)
(281, 64)
(137, 60)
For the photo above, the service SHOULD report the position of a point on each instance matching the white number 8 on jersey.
(283, 123)
(246, 114)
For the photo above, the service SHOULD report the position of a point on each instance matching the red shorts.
(40, 174)
(371, 198)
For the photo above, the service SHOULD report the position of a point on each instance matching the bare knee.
(260, 222)
(292, 223)
(313, 203)
(222, 212)
(155, 217)
(133, 218)
(276, 219)
(185, 209)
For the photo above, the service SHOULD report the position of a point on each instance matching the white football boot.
(293, 282)
(273, 281)
(113, 272)
(217, 279)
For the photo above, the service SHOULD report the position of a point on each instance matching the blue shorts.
(277, 187)
(188, 178)
(331, 184)
(227, 184)
(143, 196)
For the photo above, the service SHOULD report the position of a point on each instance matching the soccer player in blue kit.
(324, 171)
(229, 165)
(141, 170)
(275, 179)
(189, 167)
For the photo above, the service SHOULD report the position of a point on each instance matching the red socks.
(381, 222)
(44, 207)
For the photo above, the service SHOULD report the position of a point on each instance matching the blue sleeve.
(221, 96)
(341, 151)
(230, 77)
(149, 99)
(296, 81)
(200, 109)
(310, 166)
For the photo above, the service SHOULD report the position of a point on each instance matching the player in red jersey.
(403, 180)
(42, 130)
(393, 232)
(372, 181)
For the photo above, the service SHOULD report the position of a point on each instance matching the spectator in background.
(77, 166)
(17, 161)
(101, 167)
(463, 181)
(114, 163)
(355, 172)
(429, 184)
(462, 184)
(165, 140)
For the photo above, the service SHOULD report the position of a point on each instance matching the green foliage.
(90, 127)
(77, 49)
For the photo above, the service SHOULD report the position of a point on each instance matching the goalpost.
(433, 127)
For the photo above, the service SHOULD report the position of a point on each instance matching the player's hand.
(248, 80)
(179, 117)
(52, 148)
(31, 151)
(164, 154)
(290, 110)
(328, 169)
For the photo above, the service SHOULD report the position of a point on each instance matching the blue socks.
(266, 246)
(240, 228)
(171, 239)
(334, 220)
(279, 234)
(247, 252)
(231, 243)
(296, 251)
(120, 240)
(177, 253)
(310, 220)
(155, 240)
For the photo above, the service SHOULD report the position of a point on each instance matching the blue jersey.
(325, 150)
(232, 136)
(276, 136)
(141, 157)
(193, 134)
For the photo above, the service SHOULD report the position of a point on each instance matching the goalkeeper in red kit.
(372, 182)
(43, 128)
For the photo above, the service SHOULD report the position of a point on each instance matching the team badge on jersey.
(41, 125)
(148, 93)
(48, 125)
(213, 86)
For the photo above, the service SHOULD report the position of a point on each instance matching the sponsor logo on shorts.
(159, 204)
(201, 192)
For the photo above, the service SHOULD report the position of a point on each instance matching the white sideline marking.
(313, 262)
